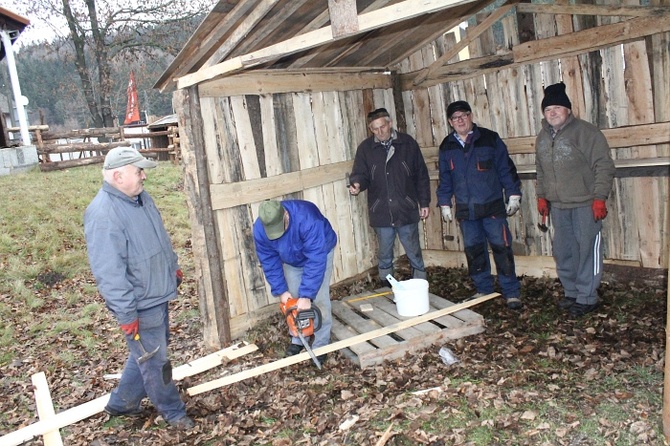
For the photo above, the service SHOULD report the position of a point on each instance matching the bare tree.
(104, 31)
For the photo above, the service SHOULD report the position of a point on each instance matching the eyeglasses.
(459, 117)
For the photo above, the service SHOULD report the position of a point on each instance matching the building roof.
(296, 35)
(10, 21)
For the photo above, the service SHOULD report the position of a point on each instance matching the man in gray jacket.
(137, 273)
(575, 172)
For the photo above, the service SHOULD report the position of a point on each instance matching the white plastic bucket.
(411, 297)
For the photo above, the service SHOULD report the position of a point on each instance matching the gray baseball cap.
(122, 156)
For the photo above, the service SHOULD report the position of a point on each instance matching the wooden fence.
(89, 146)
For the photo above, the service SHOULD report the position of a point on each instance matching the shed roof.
(240, 35)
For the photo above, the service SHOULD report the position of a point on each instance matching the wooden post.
(666, 369)
(214, 305)
(343, 17)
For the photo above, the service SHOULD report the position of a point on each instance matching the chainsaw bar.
(309, 350)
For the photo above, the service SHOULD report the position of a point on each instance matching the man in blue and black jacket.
(295, 244)
(475, 170)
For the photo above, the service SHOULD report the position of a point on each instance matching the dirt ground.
(534, 377)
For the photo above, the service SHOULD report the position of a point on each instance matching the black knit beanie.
(555, 95)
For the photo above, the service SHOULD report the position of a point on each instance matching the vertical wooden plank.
(325, 145)
(308, 149)
(646, 194)
(213, 139)
(354, 118)
(273, 162)
(286, 131)
(245, 136)
(209, 268)
(660, 65)
(45, 408)
(570, 67)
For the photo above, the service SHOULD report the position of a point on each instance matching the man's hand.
(513, 204)
(355, 188)
(131, 329)
(543, 207)
(180, 277)
(285, 296)
(446, 213)
(304, 303)
(599, 208)
(424, 213)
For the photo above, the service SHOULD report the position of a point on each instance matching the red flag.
(133, 107)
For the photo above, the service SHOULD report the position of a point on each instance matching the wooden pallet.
(350, 320)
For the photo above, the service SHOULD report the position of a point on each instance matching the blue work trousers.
(495, 232)
(152, 378)
(409, 238)
(293, 276)
(578, 252)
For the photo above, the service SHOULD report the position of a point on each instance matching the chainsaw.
(302, 323)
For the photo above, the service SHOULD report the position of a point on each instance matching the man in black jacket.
(390, 166)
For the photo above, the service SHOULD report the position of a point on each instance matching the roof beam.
(580, 9)
(463, 43)
(294, 81)
(343, 17)
(573, 44)
(367, 22)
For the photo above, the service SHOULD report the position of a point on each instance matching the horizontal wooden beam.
(370, 21)
(550, 48)
(363, 337)
(280, 81)
(591, 39)
(534, 266)
(602, 10)
(228, 195)
(617, 138)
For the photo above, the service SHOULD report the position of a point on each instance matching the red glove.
(131, 329)
(543, 207)
(180, 278)
(599, 208)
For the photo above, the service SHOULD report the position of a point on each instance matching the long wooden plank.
(227, 195)
(617, 137)
(367, 22)
(90, 408)
(294, 81)
(45, 408)
(590, 39)
(605, 10)
(363, 337)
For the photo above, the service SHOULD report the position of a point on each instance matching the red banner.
(133, 107)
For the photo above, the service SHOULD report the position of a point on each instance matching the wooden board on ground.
(350, 320)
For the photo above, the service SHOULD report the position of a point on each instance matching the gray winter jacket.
(130, 253)
(575, 166)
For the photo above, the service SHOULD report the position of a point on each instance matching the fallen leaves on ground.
(534, 377)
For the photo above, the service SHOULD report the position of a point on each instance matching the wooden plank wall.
(280, 140)
(602, 92)
(301, 145)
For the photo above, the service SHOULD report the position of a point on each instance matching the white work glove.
(513, 204)
(446, 213)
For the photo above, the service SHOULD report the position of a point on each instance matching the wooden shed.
(271, 97)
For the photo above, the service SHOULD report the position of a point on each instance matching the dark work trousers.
(495, 231)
